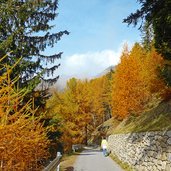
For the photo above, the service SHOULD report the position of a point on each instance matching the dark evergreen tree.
(25, 32)
(147, 36)
(158, 14)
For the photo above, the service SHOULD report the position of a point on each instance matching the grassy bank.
(155, 119)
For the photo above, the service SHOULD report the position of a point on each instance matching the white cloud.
(90, 64)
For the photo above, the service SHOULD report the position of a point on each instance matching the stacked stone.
(147, 151)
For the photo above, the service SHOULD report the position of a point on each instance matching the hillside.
(158, 118)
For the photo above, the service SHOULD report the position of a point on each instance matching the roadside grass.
(68, 160)
(122, 164)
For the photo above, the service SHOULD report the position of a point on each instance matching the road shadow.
(69, 169)
(95, 150)
(85, 154)
(92, 150)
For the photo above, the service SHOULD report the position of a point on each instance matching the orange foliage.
(100, 89)
(23, 141)
(97, 109)
(70, 107)
(81, 108)
(135, 79)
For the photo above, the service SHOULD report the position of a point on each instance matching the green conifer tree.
(158, 14)
(25, 32)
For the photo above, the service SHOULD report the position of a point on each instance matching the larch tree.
(107, 95)
(77, 109)
(135, 80)
(58, 117)
(83, 116)
(71, 132)
(23, 139)
(73, 107)
(70, 109)
(97, 105)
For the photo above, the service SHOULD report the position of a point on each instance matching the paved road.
(93, 160)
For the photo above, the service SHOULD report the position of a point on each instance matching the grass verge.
(68, 160)
(122, 164)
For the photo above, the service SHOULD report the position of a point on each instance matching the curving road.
(93, 160)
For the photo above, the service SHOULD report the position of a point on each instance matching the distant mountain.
(61, 83)
(107, 70)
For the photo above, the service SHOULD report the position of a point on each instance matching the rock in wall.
(146, 151)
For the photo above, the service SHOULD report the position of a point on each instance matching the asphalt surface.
(93, 160)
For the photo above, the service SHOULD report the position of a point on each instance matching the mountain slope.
(107, 70)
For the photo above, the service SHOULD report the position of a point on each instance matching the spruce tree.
(25, 33)
(158, 15)
(147, 35)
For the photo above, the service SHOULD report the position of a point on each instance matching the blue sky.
(96, 35)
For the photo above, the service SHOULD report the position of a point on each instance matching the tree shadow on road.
(94, 150)
(85, 154)
(69, 169)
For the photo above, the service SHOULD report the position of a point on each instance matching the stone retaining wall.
(148, 151)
